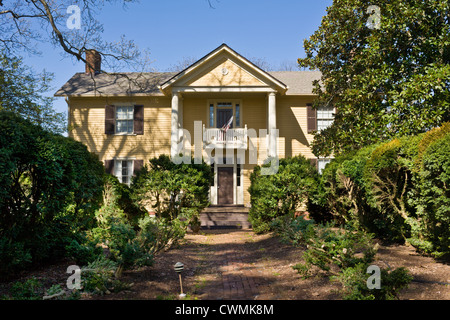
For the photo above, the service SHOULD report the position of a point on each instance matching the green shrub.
(13, 256)
(115, 232)
(173, 190)
(50, 187)
(83, 250)
(429, 138)
(283, 193)
(293, 230)
(159, 234)
(334, 249)
(30, 289)
(99, 277)
(433, 202)
(343, 190)
(387, 176)
(354, 281)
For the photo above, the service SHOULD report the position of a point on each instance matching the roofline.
(208, 56)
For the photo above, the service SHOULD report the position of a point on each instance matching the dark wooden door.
(225, 186)
(223, 116)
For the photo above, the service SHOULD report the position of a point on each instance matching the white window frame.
(324, 115)
(127, 119)
(233, 102)
(118, 169)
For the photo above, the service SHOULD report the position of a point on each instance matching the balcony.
(232, 138)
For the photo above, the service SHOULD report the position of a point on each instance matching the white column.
(272, 124)
(174, 124)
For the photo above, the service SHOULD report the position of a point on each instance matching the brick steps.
(225, 217)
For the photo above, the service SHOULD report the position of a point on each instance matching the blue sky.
(173, 29)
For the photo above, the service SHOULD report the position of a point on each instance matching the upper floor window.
(221, 112)
(320, 118)
(124, 119)
(325, 117)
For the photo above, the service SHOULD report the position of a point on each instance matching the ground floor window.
(123, 170)
(322, 162)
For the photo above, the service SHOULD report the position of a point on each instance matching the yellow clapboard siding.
(87, 118)
(235, 76)
(87, 123)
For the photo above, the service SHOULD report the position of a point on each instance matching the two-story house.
(223, 107)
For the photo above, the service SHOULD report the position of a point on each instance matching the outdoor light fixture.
(179, 267)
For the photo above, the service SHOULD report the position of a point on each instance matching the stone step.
(225, 217)
(227, 209)
(225, 225)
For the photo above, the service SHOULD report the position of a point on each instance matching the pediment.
(223, 68)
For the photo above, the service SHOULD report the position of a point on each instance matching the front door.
(225, 185)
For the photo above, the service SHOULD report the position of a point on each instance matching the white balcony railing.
(232, 138)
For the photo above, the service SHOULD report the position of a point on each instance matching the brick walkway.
(237, 277)
(233, 268)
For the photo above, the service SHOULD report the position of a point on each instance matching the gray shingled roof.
(299, 82)
(82, 84)
(132, 83)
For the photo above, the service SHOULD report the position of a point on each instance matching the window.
(224, 105)
(321, 164)
(124, 120)
(238, 115)
(123, 170)
(211, 115)
(325, 117)
(219, 110)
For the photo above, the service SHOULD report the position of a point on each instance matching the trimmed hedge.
(397, 190)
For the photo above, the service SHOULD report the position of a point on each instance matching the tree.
(22, 92)
(69, 25)
(182, 64)
(50, 187)
(386, 68)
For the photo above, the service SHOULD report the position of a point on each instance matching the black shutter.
(139, 120)
(110, 119)
(137, 166)
(109, 166)
(311, 118)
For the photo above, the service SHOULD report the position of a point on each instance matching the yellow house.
(222, 108)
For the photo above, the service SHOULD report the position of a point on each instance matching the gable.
(224, 72)
(223, 67)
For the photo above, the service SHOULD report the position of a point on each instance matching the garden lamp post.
(179, 267)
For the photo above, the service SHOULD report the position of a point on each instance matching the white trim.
(118, 173)
(226, 89)
(213, 54)
(233, 102)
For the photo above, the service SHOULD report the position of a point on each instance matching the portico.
(222, 90)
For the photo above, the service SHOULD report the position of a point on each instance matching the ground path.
(238, 264)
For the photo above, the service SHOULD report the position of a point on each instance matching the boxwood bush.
(397, 190)
(280, 194)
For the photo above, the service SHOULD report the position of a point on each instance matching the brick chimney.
(93, 62)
